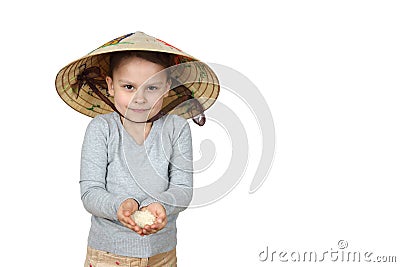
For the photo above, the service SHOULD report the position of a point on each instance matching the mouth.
(139, 110)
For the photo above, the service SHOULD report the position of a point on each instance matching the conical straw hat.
(192, 77)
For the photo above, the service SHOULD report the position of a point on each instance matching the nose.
(139, 96)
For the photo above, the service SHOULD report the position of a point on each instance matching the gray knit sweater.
(114, 168)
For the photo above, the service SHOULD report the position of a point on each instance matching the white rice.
(142, 218)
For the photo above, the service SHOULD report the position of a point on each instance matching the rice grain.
(142, 218)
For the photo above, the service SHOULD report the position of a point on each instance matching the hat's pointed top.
(138, 41)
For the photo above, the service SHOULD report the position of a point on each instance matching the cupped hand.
(125, 210)
(159, 212)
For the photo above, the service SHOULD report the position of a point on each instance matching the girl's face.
(138, 93)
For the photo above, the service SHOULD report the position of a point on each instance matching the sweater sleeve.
(95, 197)
(180, 191)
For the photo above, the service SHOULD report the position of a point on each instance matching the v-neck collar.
(148, 140)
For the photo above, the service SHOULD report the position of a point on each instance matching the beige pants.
(98, 258)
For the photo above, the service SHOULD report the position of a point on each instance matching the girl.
(137, 150)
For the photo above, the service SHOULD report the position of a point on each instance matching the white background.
(329, 71)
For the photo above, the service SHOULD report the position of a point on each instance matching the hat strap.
(199, 119)
(105, 99)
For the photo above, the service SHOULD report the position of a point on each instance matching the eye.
(152, 88)
(128, 87)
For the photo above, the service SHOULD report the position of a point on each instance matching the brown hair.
(164, 59)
